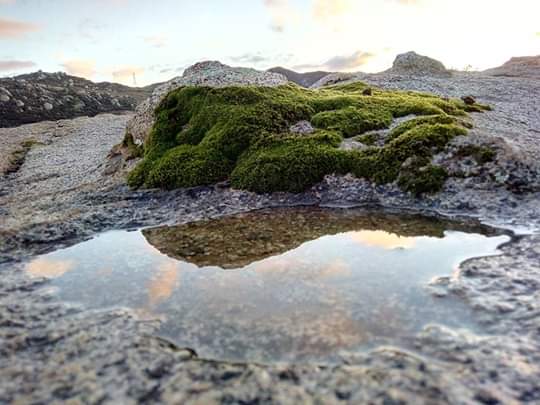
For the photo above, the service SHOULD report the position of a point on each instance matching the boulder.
(413, 64)
(210, 74)
(525, 66)
(42, 96)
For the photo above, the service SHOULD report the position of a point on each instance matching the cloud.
(79, 67)
(15, 29)
(249, 58)
(127, 74)
(10, 65)
(281, 14)
(326, 10)
(341, 63)
(157, 41)
(7, 1)
(49, 268)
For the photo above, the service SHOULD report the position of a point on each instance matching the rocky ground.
(66, 190)
(43, 96)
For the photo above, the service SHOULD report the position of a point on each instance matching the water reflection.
(307, 282)
(49, 268)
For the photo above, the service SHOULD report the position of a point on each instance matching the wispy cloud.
(11, 65)
(157, 41)
(80, 67)
(127, 74)
(251, 58)
(281, 13)
(327, 10)
(10, 29)
(341, 62)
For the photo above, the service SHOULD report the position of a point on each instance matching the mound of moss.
(205, 135)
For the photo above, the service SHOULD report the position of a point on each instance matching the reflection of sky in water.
(338, 292)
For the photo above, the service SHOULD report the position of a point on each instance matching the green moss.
(205, 135)
(351, 121)
(367, 139)
(428, 119)
(18, 156)
(423, 179)
(134, 151)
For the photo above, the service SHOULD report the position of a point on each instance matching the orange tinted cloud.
(126, 74)
(81, 68)
(382, 239)
(281, 14)
(49, 268)
(161, 287)
(15, 29)
(325, 10)
(9, 65)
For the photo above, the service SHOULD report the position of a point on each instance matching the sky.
(138, 42)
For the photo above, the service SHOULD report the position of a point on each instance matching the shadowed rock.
(302, 79)
(44, 96)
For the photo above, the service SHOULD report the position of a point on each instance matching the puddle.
(296, 284)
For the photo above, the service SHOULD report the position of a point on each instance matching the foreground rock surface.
(212, 74)
(44, 96)
(60, 195)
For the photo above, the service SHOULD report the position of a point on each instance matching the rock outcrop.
(209, 73)
(525, 66)
(413, 64)
(302, 79)
(44, 96)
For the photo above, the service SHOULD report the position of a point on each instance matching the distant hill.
(302, 79)
(524, 66)
(44, 96)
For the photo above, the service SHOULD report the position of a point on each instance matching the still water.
(296, 284)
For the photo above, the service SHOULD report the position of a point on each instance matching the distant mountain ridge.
(302, 79)
(42, 96)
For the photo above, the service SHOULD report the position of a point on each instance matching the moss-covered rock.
(204, 135)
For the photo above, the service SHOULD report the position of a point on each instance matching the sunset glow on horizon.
(140, 42)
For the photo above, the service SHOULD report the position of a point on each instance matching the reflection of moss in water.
(236, 241)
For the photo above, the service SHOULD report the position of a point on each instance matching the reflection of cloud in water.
(163, 284)
(50, 268)
(382, 239)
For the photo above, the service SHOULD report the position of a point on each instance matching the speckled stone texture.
(51, 352)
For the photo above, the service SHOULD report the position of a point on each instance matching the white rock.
(48, 106)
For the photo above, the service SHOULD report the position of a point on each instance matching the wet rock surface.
(44, 96)
(53, 352)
